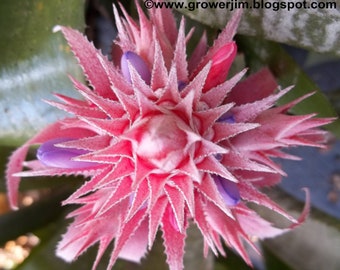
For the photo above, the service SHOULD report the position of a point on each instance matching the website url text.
(236, 4)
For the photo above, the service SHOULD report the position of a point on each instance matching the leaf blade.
(305, 26)
(34, 63)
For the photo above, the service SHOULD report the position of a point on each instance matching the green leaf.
(314, 245)
(193, 256)
(307, 27)
(259, 53)
(231, 262)
(273, 262)
(34, 62)
(43, 256)
(30, 218)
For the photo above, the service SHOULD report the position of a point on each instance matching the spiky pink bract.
(167, 142)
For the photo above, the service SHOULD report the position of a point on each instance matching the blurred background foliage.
(35, 62)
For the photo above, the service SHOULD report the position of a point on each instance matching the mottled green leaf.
(303, 25)
(259, 53)
(34, 63)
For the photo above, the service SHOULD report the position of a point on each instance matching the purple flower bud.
(53, 156)
(181, 85)
(227, 118)
(138, 63)
(228, 190)
(218, 156)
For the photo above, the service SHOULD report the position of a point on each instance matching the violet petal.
(138, 63)
(53, 156)
(228, 190)
(227, 118)
(181, 85)
(218, 156)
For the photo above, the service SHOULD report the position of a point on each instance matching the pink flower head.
(167, 142)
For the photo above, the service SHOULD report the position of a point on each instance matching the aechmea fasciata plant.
(166, 142)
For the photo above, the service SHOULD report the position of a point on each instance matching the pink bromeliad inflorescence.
(166, 142)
